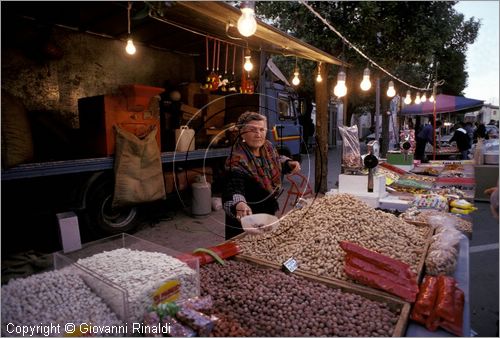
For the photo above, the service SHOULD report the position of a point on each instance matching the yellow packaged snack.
(461, 204)
(462, 211)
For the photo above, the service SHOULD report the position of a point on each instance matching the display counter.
(462, 277)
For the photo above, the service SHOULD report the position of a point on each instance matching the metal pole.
(434, 126)
(377, 109)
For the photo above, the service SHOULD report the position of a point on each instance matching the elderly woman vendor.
(253, 173)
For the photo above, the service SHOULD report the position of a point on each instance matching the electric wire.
(360, 52)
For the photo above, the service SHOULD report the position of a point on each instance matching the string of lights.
(360, 52)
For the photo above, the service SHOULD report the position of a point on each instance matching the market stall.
(299, 278)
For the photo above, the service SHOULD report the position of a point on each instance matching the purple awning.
(444, 104)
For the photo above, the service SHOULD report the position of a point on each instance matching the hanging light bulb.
(417, 98)
(296, 80)
(248, 66)
(390, 90)
(318, 77)
(423, 98)
(431, 99)
(366, 84)
(129, 48)
(340, 88)
(408, 97)
(247, 25)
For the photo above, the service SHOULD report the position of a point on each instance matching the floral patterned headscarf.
(266, 171)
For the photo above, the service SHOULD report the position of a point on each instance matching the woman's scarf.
(265, 171)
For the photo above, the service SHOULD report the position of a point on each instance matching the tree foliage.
(409, 39)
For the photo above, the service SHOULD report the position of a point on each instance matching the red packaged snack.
(457, 326)
(427, 296)
(433, 321)
(418, 317)
(373, 280)
(358, 263)
(445, 302)
(384, 262)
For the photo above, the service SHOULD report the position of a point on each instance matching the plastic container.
(201, 198)
(184, 139)
(259, 223)
(129, 307)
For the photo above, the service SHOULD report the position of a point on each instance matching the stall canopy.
(444, 104)
(175, 26)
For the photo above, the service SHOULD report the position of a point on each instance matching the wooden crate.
(136, 110)
(214, 109)
(420, 267)
(394, 303)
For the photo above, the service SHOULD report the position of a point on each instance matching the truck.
(72, 59)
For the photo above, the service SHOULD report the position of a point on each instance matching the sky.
(482, 56)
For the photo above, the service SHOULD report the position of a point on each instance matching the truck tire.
(103, 220)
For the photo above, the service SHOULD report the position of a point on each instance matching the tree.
(409, 39)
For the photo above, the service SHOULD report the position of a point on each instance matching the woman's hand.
(242, 209)
(294, 166)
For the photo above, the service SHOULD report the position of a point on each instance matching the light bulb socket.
(341, 76)
(247, 5)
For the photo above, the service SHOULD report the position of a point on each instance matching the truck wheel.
(102, 219)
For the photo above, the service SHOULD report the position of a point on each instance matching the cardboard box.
(188, 91)
(189, 112)
(214, 109)
(354, 184)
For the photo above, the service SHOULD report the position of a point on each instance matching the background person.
(253, 173)
(493, 193)
(480, 133)
(425, 135)
(462, 139)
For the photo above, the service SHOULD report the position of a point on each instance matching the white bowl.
(259, 223)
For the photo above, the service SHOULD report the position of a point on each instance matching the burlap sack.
(138, 169)
(17, 143)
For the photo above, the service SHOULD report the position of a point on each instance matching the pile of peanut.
(311, 236)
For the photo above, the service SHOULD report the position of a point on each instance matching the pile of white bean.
(311, 236)
(54, 297)
(140, 273)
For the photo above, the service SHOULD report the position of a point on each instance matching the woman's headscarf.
(266, 171)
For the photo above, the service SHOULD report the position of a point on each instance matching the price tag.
(290, 265)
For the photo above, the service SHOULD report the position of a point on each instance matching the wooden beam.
(266, 37)
(321, 152)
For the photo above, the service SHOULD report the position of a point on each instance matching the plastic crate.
(176, 285)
